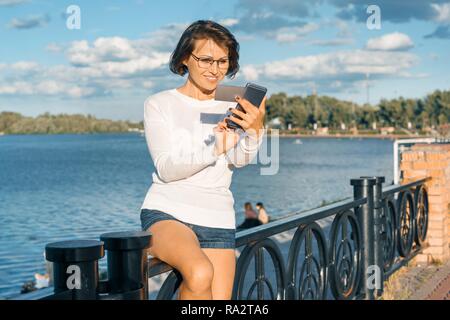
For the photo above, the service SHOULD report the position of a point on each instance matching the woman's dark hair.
(205, 29)
(260, 204)
(248, 206)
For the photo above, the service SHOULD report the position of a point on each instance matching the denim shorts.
(207, 236)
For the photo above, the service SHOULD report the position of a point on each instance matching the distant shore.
(281, 135)
(351, 136)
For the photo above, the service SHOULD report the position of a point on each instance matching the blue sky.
(119, 55)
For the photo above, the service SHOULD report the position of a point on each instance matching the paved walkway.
(419, 282)
(437, 286)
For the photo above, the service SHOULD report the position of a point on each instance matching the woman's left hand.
(253, 118)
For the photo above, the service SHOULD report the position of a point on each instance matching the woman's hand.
(253, 120)
(225, 138)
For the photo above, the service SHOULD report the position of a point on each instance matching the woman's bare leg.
(224, 263)
(176, 244)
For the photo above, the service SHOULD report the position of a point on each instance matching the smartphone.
(255, 95)
(227, 93)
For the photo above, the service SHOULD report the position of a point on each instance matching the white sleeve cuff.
(252, 143)
(209, 154)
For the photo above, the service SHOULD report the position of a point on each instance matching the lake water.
(63, 187)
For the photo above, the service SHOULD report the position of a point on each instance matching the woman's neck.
(191, 89)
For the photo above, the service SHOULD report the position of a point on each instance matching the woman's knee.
(199, 275)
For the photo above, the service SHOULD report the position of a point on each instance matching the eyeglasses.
(207, 62)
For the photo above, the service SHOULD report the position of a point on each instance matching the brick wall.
(432, 160)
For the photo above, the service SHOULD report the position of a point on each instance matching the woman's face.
(206, 79)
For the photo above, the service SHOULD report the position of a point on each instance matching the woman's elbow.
(163, 174)
(166, 175)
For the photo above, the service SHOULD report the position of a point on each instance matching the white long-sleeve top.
(190, 182)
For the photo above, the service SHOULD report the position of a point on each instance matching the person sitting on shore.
(251, 217)
(262, 214)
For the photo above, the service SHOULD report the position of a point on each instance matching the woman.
(262, 213)
(251, 217)
(249, 212)
(189, 207)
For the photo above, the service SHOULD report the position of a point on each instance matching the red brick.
(440, 218)
(438, 210)
(438, 251)
(421, 165)
(437, 191)
(432, 160)
(438, 156)
(406, 165)
(436, 242)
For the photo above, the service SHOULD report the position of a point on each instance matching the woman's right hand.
(226, 138)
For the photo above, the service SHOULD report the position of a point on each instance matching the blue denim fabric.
(208, 237)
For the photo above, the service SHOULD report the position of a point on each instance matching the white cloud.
(102, 50)
(250, 73)
(344, 30)
(333, 42)
(25, 66)
(442, 12)
(148, 84)
(133, 67)
(79, 92)
(334, 66)
(46, 88)
(117, 57)
(270, 25)
(292, 34)
(229, 22)
(163, 39)
(434, 56)
(49, 87)
(53, 47)
(108, 65)
(390, 42)
(19, 87)
(103, 66)
(7, 3)
(121, 57)
(29, 22)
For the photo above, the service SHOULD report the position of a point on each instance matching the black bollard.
(364, 188)
(379, 228)
(75, 268)
(127, 263)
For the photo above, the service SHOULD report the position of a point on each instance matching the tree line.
(304, 112)
(15, 123)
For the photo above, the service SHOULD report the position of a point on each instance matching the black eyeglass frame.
(211, 64)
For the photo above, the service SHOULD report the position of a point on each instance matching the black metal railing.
(345, 250)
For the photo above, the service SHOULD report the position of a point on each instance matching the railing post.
(363, 187)
(127, 264)
(379, 223)
(75, 268)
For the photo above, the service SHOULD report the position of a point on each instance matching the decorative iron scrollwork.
(255, 251)
(389, 234)
(345, 255)
(405, 226)
(311, 282)
(421, 217)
